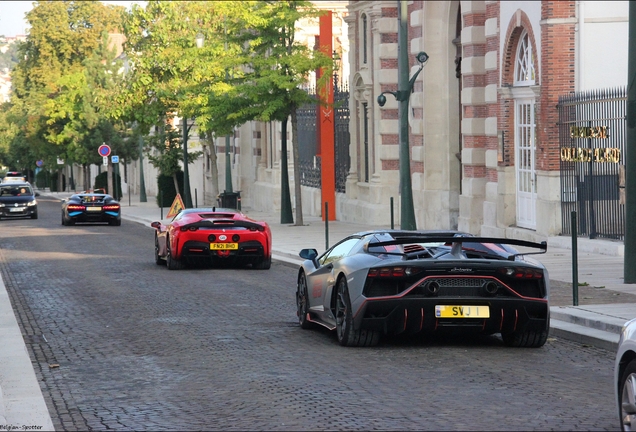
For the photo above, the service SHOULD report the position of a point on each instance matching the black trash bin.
(230, 200)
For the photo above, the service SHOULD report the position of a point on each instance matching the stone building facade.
(483, 134)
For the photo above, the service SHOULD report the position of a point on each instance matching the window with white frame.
(524, 65)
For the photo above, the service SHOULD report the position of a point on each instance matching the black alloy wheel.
(347, 336)
(302, 301)
(172, 263)
(158, 259)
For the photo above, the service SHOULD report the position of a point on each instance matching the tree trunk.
(176, 183)
(214, 169)
(297, 185)
(60, 180)
(109, 178)
(286, 215)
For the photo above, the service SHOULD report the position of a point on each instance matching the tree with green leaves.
(64, 78)
(167, 71)
(277, 68)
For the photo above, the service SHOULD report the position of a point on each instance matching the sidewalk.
(606, 303)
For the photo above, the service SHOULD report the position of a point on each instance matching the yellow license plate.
(456, 311)
(223, 246)
(93, 209)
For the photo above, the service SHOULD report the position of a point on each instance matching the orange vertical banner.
(327, 124)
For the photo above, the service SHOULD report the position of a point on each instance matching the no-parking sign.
(104, 150)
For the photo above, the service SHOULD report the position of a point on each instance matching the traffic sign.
(105, 160)
(104, 150)
(40, 163)
(114, 159)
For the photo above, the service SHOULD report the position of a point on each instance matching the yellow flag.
(176, 207)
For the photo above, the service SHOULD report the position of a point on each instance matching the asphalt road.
(120, 343)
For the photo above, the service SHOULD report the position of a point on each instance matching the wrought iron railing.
(592, 147)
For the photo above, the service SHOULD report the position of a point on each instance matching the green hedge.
(165, 186)
(43, 179)
(101, 182)
(53, 182)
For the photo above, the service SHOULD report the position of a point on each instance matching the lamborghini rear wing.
(457, 242)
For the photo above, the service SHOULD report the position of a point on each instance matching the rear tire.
(114, 222)
(347, 336)
(627, 400)
(263, 264)
(172, 263)
(302, 302)
(525, 339)
(158, 259)
(34, 216)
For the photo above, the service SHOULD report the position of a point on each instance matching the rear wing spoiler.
(458, 241)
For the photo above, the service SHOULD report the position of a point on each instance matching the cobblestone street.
(119, 343)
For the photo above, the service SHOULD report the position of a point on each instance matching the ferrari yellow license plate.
(456, 311)
(223, 246)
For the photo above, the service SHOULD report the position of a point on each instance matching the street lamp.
(405, 87)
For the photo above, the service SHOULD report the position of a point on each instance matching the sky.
(13, 22)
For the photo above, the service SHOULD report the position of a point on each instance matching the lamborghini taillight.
(522, 272)
(400, 271)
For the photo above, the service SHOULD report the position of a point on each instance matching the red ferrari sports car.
(216, 236)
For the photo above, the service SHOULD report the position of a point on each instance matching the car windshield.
(15, 190)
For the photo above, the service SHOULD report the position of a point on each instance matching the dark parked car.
(91, 207)
(18, 200)
(389, 282)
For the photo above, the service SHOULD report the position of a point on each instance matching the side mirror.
(308, 254)
(37, 194)
(156, 224)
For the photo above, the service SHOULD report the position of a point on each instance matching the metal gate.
(307, 130)
(592, 147)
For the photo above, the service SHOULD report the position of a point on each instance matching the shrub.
(101, 181)
(165, 186)
(53, 184)
(43, 179)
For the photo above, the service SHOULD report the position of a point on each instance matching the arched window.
(524, 65)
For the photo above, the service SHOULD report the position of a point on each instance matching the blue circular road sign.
(104, 150)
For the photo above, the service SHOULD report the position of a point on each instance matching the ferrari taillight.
(75, 207)
(111, 207)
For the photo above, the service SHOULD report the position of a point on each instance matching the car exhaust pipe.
(432, 288)
(490, 288)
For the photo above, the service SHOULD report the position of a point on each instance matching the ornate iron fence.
(307, 128)
(592, 146)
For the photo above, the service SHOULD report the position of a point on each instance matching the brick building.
(483, 114)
